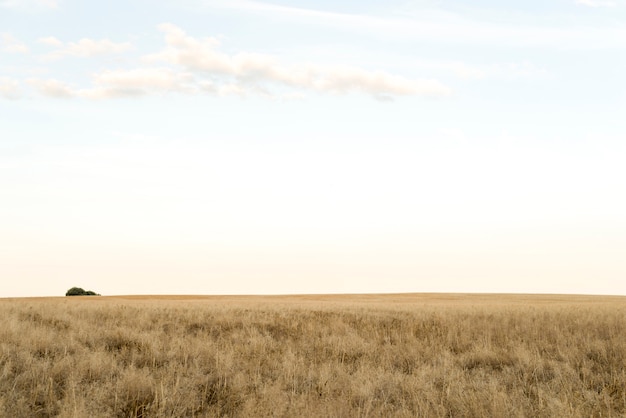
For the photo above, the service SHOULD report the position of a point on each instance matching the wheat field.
(405, 355)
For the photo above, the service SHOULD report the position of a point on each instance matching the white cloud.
(138, 82)
(8, 43)
(51, 88)
(9, 88)
(84, 48)
(120, 83)
(596, 3)
(377, 83)
(253, 70)
(50, 41)
(197, 65)
(197, 54)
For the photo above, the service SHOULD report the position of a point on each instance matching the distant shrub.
(77, 291)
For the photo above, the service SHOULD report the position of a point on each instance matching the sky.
(277, 147)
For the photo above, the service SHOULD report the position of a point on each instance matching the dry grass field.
(430, 355)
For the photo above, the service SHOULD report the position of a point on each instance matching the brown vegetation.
(393, 355)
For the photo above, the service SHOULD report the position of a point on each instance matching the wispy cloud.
(298, 13)
(440, 27)
(83, 48)
(9, 88)
(8, 43)
(29, 5)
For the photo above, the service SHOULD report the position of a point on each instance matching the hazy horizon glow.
(248, 147)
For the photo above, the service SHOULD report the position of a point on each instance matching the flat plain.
(404, 355)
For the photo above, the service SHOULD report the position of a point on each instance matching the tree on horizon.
(78, 291)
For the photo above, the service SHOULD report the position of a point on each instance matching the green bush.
(77, 291)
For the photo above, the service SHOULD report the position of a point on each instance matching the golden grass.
(438, 355)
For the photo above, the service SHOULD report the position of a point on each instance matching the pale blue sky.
(299, 146)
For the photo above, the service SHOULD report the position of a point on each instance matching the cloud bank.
(190, 65)
(250, 72)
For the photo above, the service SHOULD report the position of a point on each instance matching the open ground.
(431, 355)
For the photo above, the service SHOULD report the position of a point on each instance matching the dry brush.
(163, 358)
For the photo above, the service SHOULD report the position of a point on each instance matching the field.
(405, 355)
